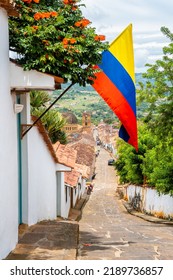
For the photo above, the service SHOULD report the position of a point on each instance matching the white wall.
(75, 195)
(158, 203)
(8, 150)
(66, 201)
(42, 197)
(41, 180)
(152, 202)
(33, 79)
(38, 173)
(83, 187)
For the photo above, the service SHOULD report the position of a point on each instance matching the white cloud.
(141, 57)
(110, 17)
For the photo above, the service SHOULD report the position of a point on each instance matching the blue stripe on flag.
(119, 76)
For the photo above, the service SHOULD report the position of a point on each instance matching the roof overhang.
(9, 6)
(69, 186)
(62, 168)
(24, 81)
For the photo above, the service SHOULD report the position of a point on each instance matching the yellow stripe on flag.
(122, 49)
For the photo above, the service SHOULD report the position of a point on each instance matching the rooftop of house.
(85, 147)
(85, 153)
(71, 178)
(65, 154)
(83, 170)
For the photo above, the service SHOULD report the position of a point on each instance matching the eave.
(9, 6)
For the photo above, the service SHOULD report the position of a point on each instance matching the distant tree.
(158, 92)
(53, 36)
(130, 163)
(158, 167)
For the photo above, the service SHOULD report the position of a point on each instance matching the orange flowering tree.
(52, 36)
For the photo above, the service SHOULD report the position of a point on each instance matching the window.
(66, 193)
(79, 185)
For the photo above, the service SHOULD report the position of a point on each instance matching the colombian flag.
(116, 84)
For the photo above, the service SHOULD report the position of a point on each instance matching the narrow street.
(109, 232)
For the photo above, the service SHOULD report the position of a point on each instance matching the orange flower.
(102, 37)
(82, 23)
(54, 14)
(45, 15)
(65, 41)
(27, 1)
(99, 38)
(35, 27)
(85, 22)
(37, 16)
(68, 2)
(74, 8)
(78, 23)
(65, 46)
(72, 41)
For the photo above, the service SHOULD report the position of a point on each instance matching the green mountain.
(80, 99)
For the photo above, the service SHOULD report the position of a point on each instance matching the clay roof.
(65, 154)
(85, 148)
(83, 170)
(85, 153)
(71, 178)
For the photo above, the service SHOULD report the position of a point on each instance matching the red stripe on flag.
(116, 101)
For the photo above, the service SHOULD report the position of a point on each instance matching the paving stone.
(48, 240)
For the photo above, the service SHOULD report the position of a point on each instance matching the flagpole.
(27, 130)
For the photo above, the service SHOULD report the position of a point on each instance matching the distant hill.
(80, 99)
(138, 77)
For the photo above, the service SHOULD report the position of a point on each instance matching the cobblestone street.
(109, 232)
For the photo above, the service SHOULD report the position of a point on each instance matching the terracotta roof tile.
(83, 170)
(65, 154)
(85, 153)
(71, 178)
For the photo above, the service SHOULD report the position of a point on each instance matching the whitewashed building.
(32, 180)
(27, 195)
(8, 150)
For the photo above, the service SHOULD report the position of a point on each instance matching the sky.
(111, 17)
